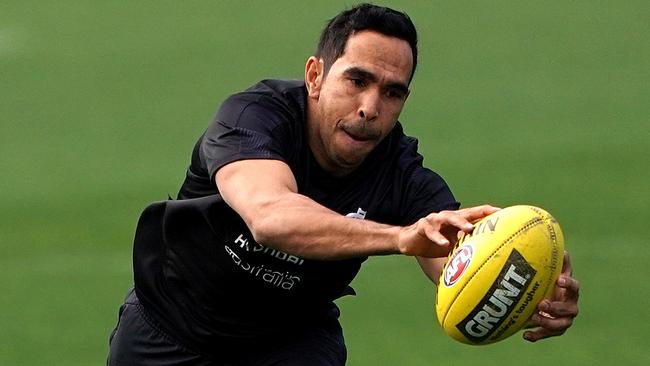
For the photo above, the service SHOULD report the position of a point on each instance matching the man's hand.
(555, 315)
(433, 235)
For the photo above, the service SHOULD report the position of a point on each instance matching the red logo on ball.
(457, 265)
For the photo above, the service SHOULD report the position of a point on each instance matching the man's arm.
(264, 194)
(432, 267)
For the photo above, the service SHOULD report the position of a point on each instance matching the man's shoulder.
(402, 147)
(283, 91)
(422, 190)
(286, 97)
(277, 86)
(408, 160)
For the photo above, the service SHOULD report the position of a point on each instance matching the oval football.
(496, 275)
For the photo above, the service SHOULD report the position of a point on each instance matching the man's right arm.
(264, 193)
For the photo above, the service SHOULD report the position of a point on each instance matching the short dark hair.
(365, 17)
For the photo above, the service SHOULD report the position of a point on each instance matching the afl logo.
(457, 265)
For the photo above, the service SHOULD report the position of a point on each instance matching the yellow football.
(496, 275)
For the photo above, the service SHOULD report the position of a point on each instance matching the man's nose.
(369, 107)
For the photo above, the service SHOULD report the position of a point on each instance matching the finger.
(435, 236)
(539, 333)
(566, 265)
(570, 285)
(473, 214)
(546, 327)
(551, 324)
(559, 309)
(449, 218)
(529, 324)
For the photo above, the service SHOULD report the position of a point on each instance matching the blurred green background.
(538, 102)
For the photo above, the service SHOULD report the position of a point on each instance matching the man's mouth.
(357, 137)
(361, 135)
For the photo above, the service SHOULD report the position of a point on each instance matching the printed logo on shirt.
(240, 252)
(360, 214)
(281, 279)
(252, 246)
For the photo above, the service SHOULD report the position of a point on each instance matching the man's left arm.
(432, 267)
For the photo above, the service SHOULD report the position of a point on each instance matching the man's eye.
(394, 94)
(358, 82)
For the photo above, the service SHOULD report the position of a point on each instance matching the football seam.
(548, 221)
(549, 283)
(528, 225)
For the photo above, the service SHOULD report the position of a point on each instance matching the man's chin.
(350, 161)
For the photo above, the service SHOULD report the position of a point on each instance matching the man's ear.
(314, 76)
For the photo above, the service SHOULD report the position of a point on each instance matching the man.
(289, 190)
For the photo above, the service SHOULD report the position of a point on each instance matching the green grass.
(544, 103)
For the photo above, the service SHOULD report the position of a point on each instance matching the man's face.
(357, 103)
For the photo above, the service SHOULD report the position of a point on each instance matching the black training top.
(198, 270)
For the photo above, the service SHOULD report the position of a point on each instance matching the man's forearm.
(297, 225)
(264, 194)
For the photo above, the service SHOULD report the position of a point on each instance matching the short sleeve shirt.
(267, 121)
(209, 277)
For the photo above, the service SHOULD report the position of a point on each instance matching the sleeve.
(424, 191)
(427, 192)
(245, 129)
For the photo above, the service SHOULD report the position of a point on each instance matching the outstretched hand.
(554, 316)
(433, 235)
